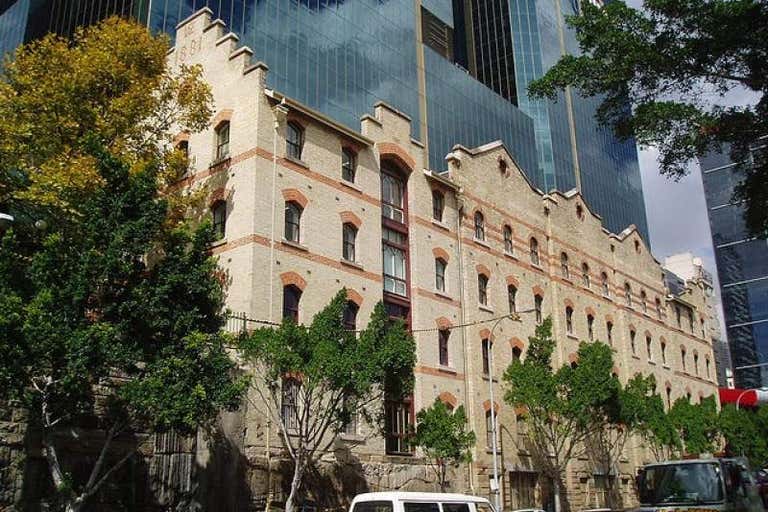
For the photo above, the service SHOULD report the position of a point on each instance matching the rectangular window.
(350, 425)
(222, 141)
(289, 405)
(442, 339)
(394, 269)
(537, 302)
(397, 424)
(488, 429)
(392, 194)
(512, 298)
(439, 275)
(486, 353)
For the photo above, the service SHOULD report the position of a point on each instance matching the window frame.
(219, 218)
(585, 278)
(293, 221)
(349, 247)
(479, 220)
(289, 404)
(485, 349)
(590, 328)
(534, 252)
(538, 306)
(438, 205)
(440, 268)
(443, 350)
(509, 244)
(565, 269)
(569, 320)
(348, 165)
(222, 131)
(349, 315)
(482, 289)
(294, 140)
(291, 291)
(512, 298)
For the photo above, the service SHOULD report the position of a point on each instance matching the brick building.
(305, 206)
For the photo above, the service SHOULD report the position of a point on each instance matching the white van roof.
(417, 496)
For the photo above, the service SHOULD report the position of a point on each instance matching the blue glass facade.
(742, 266)
(342, 56)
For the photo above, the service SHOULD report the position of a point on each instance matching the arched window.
(605, 284)
(293, 221)
(663, 353)
(294, 140)
(219, 213)
(291, 299)
(591, 328)
(289, 404)
(509, 246)
(349, 237)
(479, 226)
(632, 343)
(440, 265)
(706, 363)
(628, 294)
(348, 165)
(489, 429)
(677, 317)
(516, 354)
(350, 316)
(683, 358)
(534, 251)
(392, 197)
(669, 397)
(658, 308)
(569, 320)
(585, 280)
(183, 148)
(649, 348)
(485, 349)
(438, 205)
(538, 301)
(564, 269)
(644, 301)
(696, 364)
(442, 342)
(512, 298)
(482, 289)
(222, 140)
(609, 331)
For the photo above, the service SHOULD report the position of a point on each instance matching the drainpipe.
(279, 110)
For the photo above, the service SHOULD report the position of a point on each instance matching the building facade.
(688, 267)
(459, 69)
(742, 267)
(304, 206)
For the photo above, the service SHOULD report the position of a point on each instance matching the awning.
(744, 397)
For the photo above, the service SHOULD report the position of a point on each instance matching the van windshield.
(681, 484)
(373, 506)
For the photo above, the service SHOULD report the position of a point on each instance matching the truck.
(713, 484)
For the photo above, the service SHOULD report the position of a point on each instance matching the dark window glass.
(509, 246)
(649, 348)
(682, 359)
(628, 294)
(438, 205)
(420, 507)
(373, 506)
(289, 404)
(392, 197)
(482, 289)
(644, 301)
(393, 254)
(632, 342)
(291, 298)
(534, 251)
(609, 330)
(485, 346)
(479, 226)
(585, 280)
(512, 298)
(348, 247)
(591, 327)
(293, 221)
(183, 147)
(569, 320)
(350, 316)
(564, 269)
(537, 303)
(488, 428)
(348, 165)
(219, 212)
(516, 354)
(606, 286)
(294, 140)
(440, 274)
(663, 353)
(397, 425)
(442, 339)
(222, 141)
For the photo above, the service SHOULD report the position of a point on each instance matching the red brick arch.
(538, 290)
(568, 303)
(292, 278)
(292, 194)
(390, 150)
(443, 323)
(221, 116)
(486, 334)
(487, 406)
(667, 384)
(589, 311)
(441, 253)
(220, 194)
(482, 269)
(355, 297)
(448, 399)
(515, 342)
(181, 136)
(512, 281)
(573, 357)
(609, 318)
(350, 218)
(647, 334)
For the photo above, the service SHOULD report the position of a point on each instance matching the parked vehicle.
(418, 502)
(713, 484)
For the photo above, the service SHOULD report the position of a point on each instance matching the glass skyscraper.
(742, 266)
(458, 68)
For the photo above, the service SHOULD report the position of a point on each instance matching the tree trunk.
(74, 506)
(442, 477)
(298, 473)
(556, 492)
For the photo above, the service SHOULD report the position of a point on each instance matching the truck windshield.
(681, 484)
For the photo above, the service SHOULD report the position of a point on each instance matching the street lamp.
(494, 450)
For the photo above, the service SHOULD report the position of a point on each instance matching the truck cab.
(710, 484)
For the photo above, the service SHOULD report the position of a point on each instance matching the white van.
(418, 502)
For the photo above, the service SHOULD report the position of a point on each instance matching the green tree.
(312, 379)
(696, 424)
(442, 434)
(112, 83)
(91, 329)
(559, 405)
(652, 422)
(745, 433)
(673, 61)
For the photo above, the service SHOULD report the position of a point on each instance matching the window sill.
(571, 336)
(652, 362)
(646, 315)
(443, 295)
(634, 356)
(487, 377)
(487, 309)
(352, 264)
(297, 161)
(219, 161)
(482, 243)
(537, 267)
(510, 255)
(352, 438)
(489, 450)
(440, 224)
(351, 185)
(567, 280)
(447, 369)
(666, 367)
(295, 245)
(218, 243)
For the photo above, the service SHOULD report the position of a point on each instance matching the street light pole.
(494, 446)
